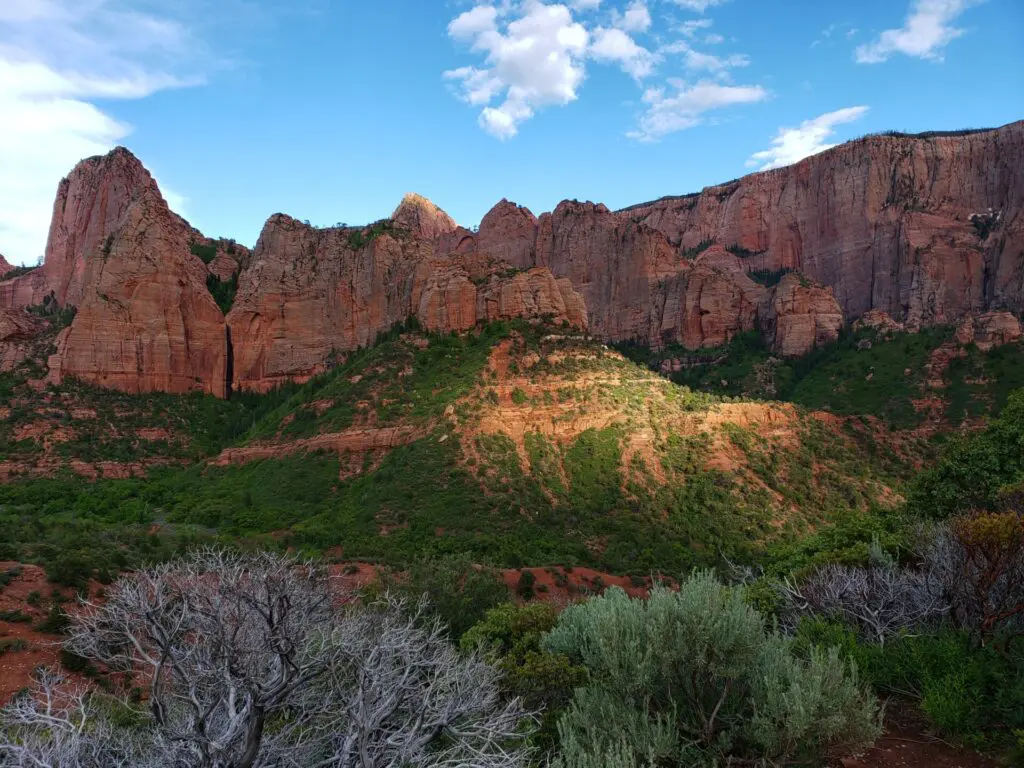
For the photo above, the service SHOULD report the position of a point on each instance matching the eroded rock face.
(90, 205)
(509, 232)
(886, 222)
(706, 304)
(803, 316)
(17, 329)
(989, 330)
(309, 294)
(145, 320)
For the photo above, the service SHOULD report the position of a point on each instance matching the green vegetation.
(984, 470)
(768, 277)
(857, 375)
(697, 250)
(17, 272)
(744, 253)
(361, 238)
(694, 678)
(510, 636)
(223, 291)
(400, 378)
(205, 252)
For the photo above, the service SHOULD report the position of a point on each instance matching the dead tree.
(251, 661)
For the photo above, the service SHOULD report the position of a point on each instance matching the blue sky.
(330, 110)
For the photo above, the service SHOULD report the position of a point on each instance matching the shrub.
(694, 677)
(55, 623)
(525, 585)
(980, 561)
(510, 637)
(10, 644)
(456, 590)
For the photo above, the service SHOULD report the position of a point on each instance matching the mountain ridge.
(926, 229)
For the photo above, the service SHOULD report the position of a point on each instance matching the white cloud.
(614, 45)
(686, 108)
(57, 56)
(925, 32)
(698, 6)
(635, 19)
(690, 28)
(536, 62)
(466, 26)
(535, 54)
(791, 145)
(698, 61)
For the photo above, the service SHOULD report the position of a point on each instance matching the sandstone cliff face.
(803, 316)
(992, 329)
(706, 303)
(89, 207)
(886, 222)
(903, 232)
(309, 294)
(509, 232)
(145, 320)
(17, 330)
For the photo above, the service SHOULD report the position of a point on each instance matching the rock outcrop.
(926, 228)
(422, 219)
(146, 321)
(311, 294)
(992, 329)
(803, 316)
(17, 330)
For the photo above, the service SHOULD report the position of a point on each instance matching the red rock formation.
(17, 329)
(90, 205)
(992, 329)
(705, 304)
(422, 219)
(5, 266)
(509, 232)
(309, 293)
(145, 320)
(885, 221)
(803, 316)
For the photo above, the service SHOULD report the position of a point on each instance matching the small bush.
(11, 644)
(55, 623)
(525, 585)
(694, 677)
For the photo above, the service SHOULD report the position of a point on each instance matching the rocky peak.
(509, 232)
(90, 203)
(422, 218)
(5, 266)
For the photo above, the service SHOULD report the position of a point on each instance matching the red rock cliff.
(310, 293)
(926, 229)
(146, 321)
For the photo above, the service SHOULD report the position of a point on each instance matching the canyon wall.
(927, 229)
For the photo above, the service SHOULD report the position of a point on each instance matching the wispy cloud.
(791, 145)
(57, 57)
(927, 29)
(687, 105)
